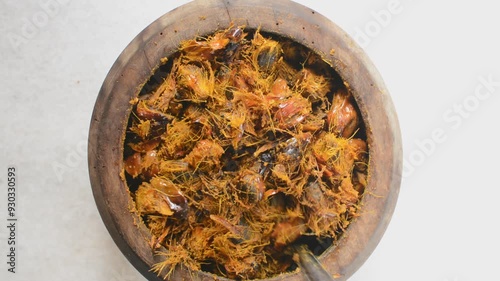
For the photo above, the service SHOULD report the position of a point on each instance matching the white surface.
(430, 54)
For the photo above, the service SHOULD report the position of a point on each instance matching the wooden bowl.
(134, 67)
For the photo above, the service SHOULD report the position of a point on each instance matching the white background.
(431, 55)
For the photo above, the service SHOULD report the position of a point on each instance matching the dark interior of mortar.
(316, 245)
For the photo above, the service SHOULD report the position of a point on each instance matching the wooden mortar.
(160, 39)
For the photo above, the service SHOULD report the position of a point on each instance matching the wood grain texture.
(160, 39)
